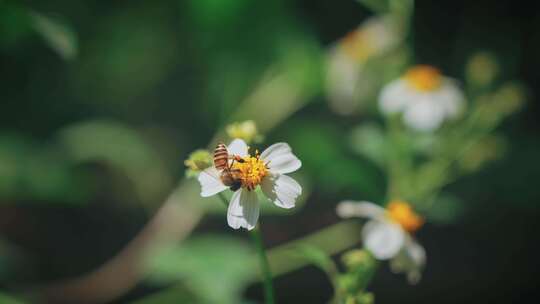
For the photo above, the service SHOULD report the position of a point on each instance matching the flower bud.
(246, 130)
(197, 161)
(361, 298)
(360, 266)
(482, 69)
(358, 258)
(510, 97)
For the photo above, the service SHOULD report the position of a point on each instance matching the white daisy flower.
(347, 83)
(266, 170)
(388, 234)
(424, 96)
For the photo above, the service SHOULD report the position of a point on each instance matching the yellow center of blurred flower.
(424, 78)
(355, 45)
(404, 215)
(252, 171)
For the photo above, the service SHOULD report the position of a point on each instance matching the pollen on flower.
(251, 171)
(402, 213)
(424, 78)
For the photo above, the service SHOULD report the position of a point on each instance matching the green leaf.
(36, 172)
(175, 294)
(331, 240)
(215, 268)
(58, 35)
(318, 258)
(122, 148)
(8, 299)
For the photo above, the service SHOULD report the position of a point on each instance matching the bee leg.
(232, 163)
(238, 159)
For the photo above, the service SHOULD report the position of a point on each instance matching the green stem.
(223, 199)
(399, 160)
(370, 275)
(256, 237)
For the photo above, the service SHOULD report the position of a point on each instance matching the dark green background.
(179, 68)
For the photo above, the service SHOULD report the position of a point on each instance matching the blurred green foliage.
(213, 267)
(124, 150)
(17, 22)
(120, 94)
(45, 177)
(323, 150)
(7, 299)
(60, 37)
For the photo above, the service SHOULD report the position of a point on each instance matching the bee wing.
(210, 182)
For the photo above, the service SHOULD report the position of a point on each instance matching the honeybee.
(229, 177)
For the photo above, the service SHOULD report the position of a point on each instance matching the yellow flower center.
(424, 78)
(355, 44)
(402, 213)
(251, 171)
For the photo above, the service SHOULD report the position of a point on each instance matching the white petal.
(238, 147)
(424, 115)
(280, 159)
(275, 150)
(418, 258)
(210, 182)
(343, 75)
(394, 97)
(243, 210)
(416, 252)
(381, 34)
(410, 260)
(383, 239)
(451, 98)
(347, 209)
(282, 190)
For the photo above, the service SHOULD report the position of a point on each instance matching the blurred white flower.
(347, 84)
(266, 170)
(424, 96)
(374, 36)
(342, 82)
(388, 234)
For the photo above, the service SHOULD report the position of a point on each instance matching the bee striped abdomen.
(221, 157)
(229, 176)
